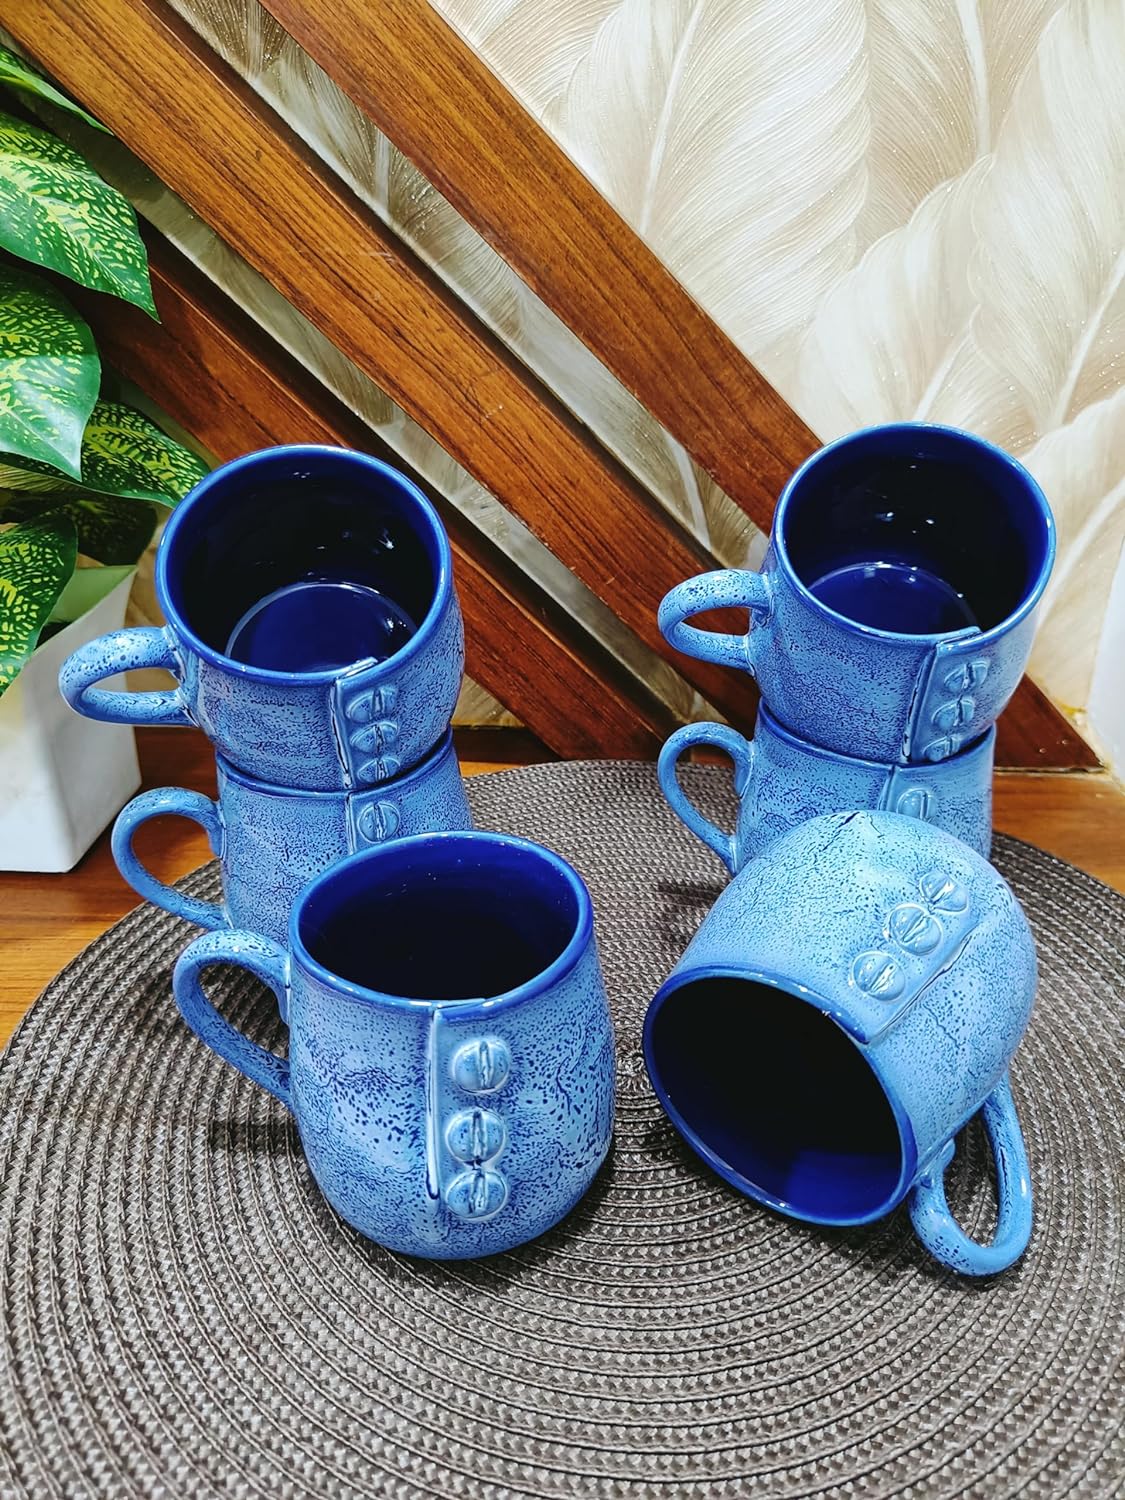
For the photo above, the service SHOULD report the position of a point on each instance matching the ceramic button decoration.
(781, 781)
(895, 609)
(271, 841)
(451, 1057)
(312, 624)
(852, 999)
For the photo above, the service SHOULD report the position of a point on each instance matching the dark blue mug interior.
(443, 917)
(303, 560)
(917, 530)
(777, 1097)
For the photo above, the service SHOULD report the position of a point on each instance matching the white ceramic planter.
(62, 777)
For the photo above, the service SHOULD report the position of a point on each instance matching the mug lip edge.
(444, 593)
(971, 633)
(563, 964)
(230, 772)
(983, 745)
(909, 1165)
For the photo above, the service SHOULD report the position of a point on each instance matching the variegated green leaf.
(36, 560)
(123, 453)
(15, 74)
(49, 372)
(56, 211)
(111, 529)
(87, 587)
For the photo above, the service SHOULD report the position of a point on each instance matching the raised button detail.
(482, 1065)
(378, 821)
(477, 1194)
(475, 1136)
(879, 974)
(953, 715)
(378, 768)
(365, 707)
(914, 928)
(914, 802)
(943, 892)
(967, 676)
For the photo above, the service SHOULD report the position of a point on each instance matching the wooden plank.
(217, 145)
(1032, 733)
(217, 374)
(425, 87)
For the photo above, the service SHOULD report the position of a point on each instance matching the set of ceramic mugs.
(852, 999)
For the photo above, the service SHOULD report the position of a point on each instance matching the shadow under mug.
(451, 1057)
(271, 840)
(853, 999)
(312, 623)
(782, 781)
(894, 612)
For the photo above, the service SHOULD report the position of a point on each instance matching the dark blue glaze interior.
(917, 531)
(778, 1096)
(442, 918)
(303, 560)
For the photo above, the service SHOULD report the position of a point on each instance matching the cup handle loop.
(262, 958)
(123, 651)
(935, 1226)
(729, 588)
(177, 801)
(740, 750)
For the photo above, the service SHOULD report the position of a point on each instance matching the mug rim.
(797, 991)
(983, 745)
(483, 1006)
(443, 579)
(230, 772)
(890, 430)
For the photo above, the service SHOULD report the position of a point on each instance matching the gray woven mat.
(183, 1316)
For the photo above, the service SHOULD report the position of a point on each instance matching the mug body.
(783, 780)
(851, 1001)
(311, 618)
(894, 613)
(451, 1058)
(271, 840)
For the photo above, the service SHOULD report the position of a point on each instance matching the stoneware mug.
(852, 999)
(271, 841)
(450, 1059)
(312, 624)
(894, 612)
(782, 780)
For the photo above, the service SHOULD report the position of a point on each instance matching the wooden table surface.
(46, 920)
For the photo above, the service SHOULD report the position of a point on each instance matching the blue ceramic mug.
(451, 1055)
(852, 999)
(782, 780)
(895, 609)
(271, 840)
(312, 624)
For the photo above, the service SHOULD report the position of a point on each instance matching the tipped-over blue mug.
(895, 609)
(312, 624)
(451, 1056)
(782, 780)
(271, 840)
(852, 999)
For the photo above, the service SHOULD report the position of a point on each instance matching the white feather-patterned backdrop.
(897, 208)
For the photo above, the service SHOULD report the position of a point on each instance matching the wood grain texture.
(425, 88)
(215, 143)
(220, 377)
(1033, 734)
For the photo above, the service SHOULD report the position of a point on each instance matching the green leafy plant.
(82, 479)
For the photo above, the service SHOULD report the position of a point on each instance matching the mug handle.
(175, 801)
(728, 588)
(740, 750)
(123, 651)
(267, 962)
(936, 1227)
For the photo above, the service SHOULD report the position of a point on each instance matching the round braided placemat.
(182, 1315)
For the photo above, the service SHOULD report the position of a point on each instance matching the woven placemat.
(183, 1316)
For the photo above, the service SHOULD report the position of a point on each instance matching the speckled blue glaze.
(318, 730)
(854, 997)
(782, 781)
(879, 693)
(450, 1127)
(272, 841)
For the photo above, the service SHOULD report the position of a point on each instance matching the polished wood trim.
(224, 381)
(239, 166)
(425, 87)
(1031, 733)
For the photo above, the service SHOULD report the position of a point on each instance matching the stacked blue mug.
(889, 625)
(314, 634)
